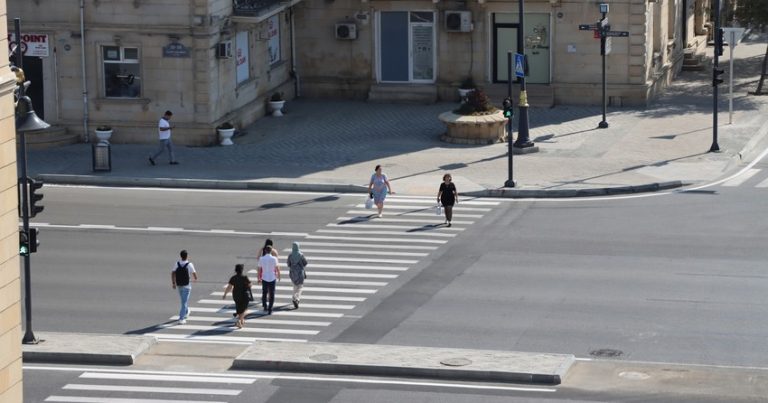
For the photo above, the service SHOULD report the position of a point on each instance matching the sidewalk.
(326, 145)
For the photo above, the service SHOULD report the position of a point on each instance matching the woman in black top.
(447, 196)
(239, 284)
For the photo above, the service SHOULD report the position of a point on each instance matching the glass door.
(406, 46)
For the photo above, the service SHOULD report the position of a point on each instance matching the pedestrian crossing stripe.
(223, 339)
(397, 233)
(361, 252)
(230, 311)
(369, 239)
(362, 245)
(269, 321)
(308, 297)
(350, 267)
(152, 389)
(420, 213)
(456, 208)
(167, 378)
(437, 219)
(249, 329)
(83, 399)
(303, 305)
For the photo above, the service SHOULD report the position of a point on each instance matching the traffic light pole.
(510, 183)
(604, 123)
(523, 137)
(715, 69)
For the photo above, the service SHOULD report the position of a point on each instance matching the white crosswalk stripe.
(350, 260)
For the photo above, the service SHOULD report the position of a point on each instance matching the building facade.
(122, 63)
(10, 284)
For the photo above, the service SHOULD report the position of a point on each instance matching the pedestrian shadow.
(151, 329)
(426, 227)
(358, 219)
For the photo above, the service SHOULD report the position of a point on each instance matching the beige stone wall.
(10, 285)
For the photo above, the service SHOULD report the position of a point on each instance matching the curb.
(406, 361)
(84, 348)
(94, 180)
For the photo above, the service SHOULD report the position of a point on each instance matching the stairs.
(403, 93)
(539, 95)
(53, 136)
(693, 61)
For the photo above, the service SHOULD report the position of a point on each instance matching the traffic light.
(715, 76)
(508, 109)
(32, 240)
(34, 197)
(23, 243)
(719, 41)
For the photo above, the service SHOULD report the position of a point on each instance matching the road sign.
(617, 33)
(733, 36)
(586, 27)
(605, 49)
(519, 65)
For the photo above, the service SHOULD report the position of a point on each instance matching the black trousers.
(268, 290)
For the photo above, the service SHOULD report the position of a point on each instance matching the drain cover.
(606, 353)
(456, 362)
(323, 357)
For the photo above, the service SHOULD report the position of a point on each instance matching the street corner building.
(120, 63)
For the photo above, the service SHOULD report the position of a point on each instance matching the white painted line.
(161, 229)
(311, 289)
(168, 378)
(763, 184)
(362, 245)
(362, 252)
(256, 304)
(96, 226)
(393, 201)
(307, 297)
(385, 226)
(152, 389)
(420, 213)
(174, 229)
(429, 208)
(220, 339)
(314, 265)
(741, 178)
(352, 275)
(261, 320)
(436, 220)
(360, 259)
(83, 399)
(397, 233)
(246, 329)
(223, 231)
(231, 343)
(274, 313)
(366, 239)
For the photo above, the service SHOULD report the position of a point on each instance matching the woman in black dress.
(447, 196)
(239, 284)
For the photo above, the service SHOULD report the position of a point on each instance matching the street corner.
(87, 348)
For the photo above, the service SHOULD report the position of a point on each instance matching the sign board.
(617, 33)
(273, 39)
(519, 65)
(605, 46)
(175, 50)
(732, 36)
(35, 45)
(586, 27)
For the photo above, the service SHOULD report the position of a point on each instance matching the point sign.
(519, 63)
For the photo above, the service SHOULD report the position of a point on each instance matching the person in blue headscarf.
(296, 270)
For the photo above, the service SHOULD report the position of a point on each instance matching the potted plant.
(477, 104)
(226, 130)
(276, 104)
(103, 133)
(466, 86)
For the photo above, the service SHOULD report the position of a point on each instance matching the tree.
(754, 13)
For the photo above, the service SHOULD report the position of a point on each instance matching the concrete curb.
(95, 180)
(424, 362)
(85, 348)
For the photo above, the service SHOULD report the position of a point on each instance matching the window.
(122, 72)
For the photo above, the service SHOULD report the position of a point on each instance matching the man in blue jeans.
(164, 135)
(182, 273)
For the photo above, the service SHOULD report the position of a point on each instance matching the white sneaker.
(380, 215)
(183, 322)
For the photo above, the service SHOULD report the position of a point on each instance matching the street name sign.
(617, 33)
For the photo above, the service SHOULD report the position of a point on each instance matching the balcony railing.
(253, 7)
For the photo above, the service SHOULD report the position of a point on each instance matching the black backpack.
(182, 276)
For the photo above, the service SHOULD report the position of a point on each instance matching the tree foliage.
(752, 13)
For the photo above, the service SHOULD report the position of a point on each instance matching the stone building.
(213, 61)
(10, 285)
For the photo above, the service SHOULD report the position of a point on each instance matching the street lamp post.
(26, 120)
(523, 138)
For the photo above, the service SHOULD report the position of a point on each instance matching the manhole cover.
(456, 362)
(606, 353)
(323, 357)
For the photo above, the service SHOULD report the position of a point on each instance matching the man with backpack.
(182, 273)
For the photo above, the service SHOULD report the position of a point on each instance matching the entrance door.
(407, 46)
(536, 42)
(33, 71)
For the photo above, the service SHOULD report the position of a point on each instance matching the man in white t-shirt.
(182, 276)
(269, 274)
(164, 135)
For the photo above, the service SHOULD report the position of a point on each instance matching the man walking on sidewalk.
(180, 278)
(164, 134)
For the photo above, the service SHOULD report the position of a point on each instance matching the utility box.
(101, 156)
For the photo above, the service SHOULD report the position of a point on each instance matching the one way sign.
(519, 65)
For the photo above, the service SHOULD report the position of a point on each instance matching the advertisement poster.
(241, 56)
(273, 39)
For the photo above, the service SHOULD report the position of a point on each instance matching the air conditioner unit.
(346, 30)
(224, 50)
(458, 21)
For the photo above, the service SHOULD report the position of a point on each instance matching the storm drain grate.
(606, 353)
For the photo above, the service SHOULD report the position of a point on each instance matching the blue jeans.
(167, 143)
(184, 291)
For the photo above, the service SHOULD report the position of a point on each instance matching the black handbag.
(249, 294)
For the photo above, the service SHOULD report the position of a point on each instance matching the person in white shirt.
(182, 276)
(268, 274)
(164, 135)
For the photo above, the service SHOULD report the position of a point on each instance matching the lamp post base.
(603, 125)
(29, 338)
(715, 148)
(509, 183)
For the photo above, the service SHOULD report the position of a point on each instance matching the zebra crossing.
(350, 260)
(150, 387)
(752, 177)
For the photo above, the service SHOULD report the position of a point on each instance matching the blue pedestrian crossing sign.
(519, 65)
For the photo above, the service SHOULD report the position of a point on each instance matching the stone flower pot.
(103, 134)
(276, 107)
(226, 136)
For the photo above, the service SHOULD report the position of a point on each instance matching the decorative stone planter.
(103, 135)
(226, 136)
(276, 107)
(482, 129)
